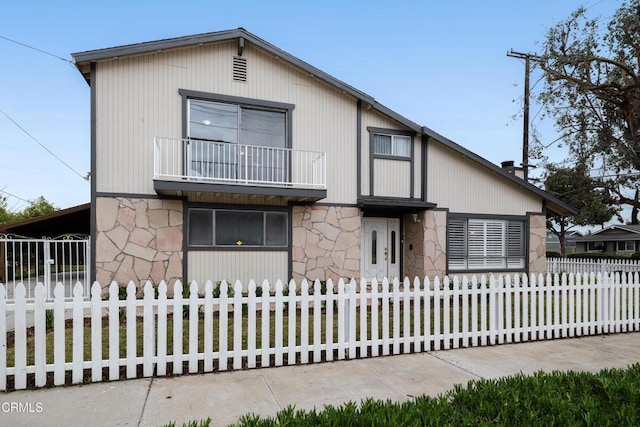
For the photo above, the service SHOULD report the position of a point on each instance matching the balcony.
(183, 166)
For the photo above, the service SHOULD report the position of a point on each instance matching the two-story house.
(220, 156)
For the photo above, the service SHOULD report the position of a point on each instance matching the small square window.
(392, 145)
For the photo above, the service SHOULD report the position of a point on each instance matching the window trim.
(263, 209)
(502, 218)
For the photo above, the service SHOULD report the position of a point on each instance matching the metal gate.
(64, 259)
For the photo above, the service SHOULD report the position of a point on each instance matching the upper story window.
(392, 145)
(236, 124)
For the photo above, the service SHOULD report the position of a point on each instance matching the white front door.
(380, 248)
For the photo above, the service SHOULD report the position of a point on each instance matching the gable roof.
(84, 59)
(615, 232)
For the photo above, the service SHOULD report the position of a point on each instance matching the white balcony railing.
(225, 163)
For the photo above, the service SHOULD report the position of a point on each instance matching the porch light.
(206, 122)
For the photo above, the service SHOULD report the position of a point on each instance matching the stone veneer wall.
(537, 244)
(138, 239)
(326, 242)
(428, 241)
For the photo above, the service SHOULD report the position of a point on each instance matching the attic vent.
(239, 69)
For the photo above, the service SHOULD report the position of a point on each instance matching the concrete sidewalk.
(226, 396)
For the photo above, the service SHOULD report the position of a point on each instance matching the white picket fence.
(303, 325)
(586, 265)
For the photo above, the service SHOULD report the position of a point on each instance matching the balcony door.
(380, 248)
(230, 142)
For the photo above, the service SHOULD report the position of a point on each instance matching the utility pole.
(525, 131)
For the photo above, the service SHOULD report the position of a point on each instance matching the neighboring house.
(619, 239)
(553, 242)
(219, 156)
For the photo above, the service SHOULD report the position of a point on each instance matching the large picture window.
(237, 228)
(230, 142)
(486, 244)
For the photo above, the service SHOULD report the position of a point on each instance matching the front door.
(380, 248)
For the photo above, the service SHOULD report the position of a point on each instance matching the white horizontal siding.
(391, 178)
(233, 265)
(137, 98)
(461, 185)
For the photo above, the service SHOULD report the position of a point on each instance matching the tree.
(574, 186)
(592, 92)
(37, 207)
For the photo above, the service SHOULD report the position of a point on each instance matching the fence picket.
(20, 337)
(96, 332)
(237, 325)
(456, 312)
(148, 332)
(417, 342)
(131, 330)
(428, 335)
(437, 335)
(161, 367)
(329, 335)
(193, 328)
(364, 342)
(385, 317)
(208, 326)
(395, 338)
(291, 339)
(517, 311)
(266, 323)
(342, 320)
(78, 334)
(39, 336)
(58, 335)
(475, 296)
(178, 313)
(251, 324)
(465, 312)
(317, 322)
(352, 302)
(446, 315)
(304, 322)
(114, 332)
(375, 315)
(222, 324)
(406, 316)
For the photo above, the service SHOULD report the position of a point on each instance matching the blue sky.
(440, 64)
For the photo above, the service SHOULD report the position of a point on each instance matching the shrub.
(551, 254)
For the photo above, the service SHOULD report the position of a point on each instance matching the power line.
(43, 146)
(14, 196)
(36, 49)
